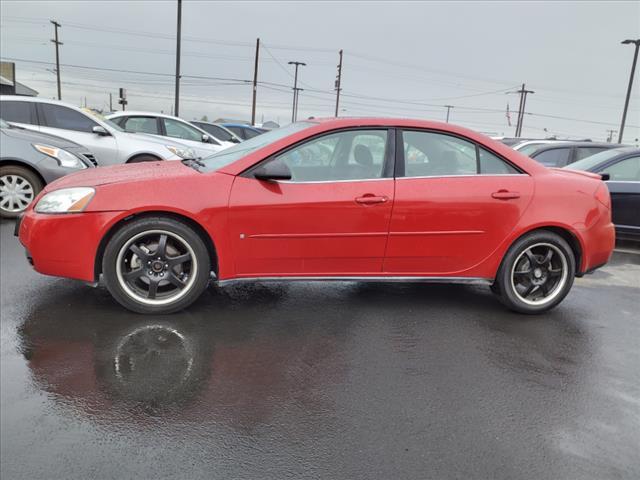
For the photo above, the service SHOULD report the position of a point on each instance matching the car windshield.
(231, 154)
(586, 164)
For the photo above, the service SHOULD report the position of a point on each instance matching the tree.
(204, 119)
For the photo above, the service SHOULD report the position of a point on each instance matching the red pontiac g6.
(352, 199)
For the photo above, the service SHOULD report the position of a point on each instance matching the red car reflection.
(350, 199)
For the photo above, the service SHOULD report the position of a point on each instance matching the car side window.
(627, 170)
(348, 155)
(429, 154)
(18, 112)
(177, 129)
(556, 157)
(141, 125)
(584, 152)
(57, 116)
(491, 164)
(248, 133)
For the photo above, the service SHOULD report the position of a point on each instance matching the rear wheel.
(18, 187)
(156, 265)
(536, 273)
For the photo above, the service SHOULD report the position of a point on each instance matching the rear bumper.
(64, 245)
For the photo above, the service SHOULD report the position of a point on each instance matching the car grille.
(91, 158)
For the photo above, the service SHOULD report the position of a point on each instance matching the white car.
(109, 143)
(167, 126)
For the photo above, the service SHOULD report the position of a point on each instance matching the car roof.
(124, 113)
(565, 144)
(240, 125)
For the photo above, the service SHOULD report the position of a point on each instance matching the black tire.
(143, 158)
(525, 273)
(25, 177)
(130, 265)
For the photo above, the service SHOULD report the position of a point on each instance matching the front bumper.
(64, 245)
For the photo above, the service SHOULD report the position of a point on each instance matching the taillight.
(602, 195)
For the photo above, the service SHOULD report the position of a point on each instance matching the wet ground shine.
(313, 380)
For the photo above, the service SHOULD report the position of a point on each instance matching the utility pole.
(255, 84)
(57, 43)
(448, 107)
(110, 102)
(177, 99)
(610, 136)
(338, 82)
(295, 90)
(523, 101)
(633, 70)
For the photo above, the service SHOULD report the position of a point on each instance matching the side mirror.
(605, 176)
(98, 130)
(271, 171)
(205, 138)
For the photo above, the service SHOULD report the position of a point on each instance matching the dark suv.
(564, 153)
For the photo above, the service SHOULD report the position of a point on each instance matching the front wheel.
(536, 273)
(18, 187)
(156, 265)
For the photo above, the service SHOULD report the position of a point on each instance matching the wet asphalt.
(313, 380)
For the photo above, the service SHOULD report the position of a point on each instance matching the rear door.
(455, 202)
(68, 123)
(331, 218)
(624, 187)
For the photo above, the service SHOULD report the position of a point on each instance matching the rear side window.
(557, 157)
(238, 131)
(19, 112)
(430, 154)
(57, 116)
(490, 164)
(584, 152)
(141, 125)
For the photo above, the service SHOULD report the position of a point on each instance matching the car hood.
(39, 137)
(134, 172)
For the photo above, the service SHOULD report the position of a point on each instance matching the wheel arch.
(197, 227)
(18, 163)
(566, 233)
(144, 154)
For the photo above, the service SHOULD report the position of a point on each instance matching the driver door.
(331, 218)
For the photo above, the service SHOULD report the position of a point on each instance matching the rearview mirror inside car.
(98, 130)
(274, 170)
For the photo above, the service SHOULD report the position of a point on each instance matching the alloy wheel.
(16, 193)
(156, 267)
(539, 274)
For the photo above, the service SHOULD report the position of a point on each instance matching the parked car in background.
(29, 160)
(622, 167)
(109, 143)
(218, 131)
(443, 204)
(170, 127)
(245, 132)
(529, 146)
(559, 154)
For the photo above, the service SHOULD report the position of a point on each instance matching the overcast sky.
(400, 59)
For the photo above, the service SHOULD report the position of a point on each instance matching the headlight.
(65, 200)
(186, 153)
(64, 158)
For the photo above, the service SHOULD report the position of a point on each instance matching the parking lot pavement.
(312, 380)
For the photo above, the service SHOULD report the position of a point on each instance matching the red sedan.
(346, 199)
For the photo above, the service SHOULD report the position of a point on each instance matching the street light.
(294, 113)
(633, 70)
